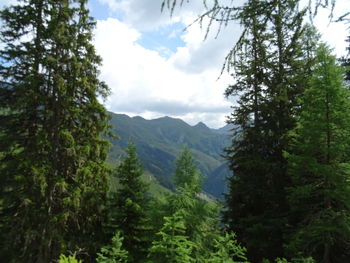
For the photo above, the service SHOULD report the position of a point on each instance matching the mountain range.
(160, 141)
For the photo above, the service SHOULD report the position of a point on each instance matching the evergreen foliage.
(158, 146)
(114, 252)
(227, 250)
(53, 171)
(200, 217)
(320, 166)
(290, 153)
(173, 245)
(346, 62)
(69, 259)
(271, 67)
(128, 206)
(186, 173)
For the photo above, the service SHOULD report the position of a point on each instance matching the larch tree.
(320, 166)
(186, 174)
(226, 249)
(172, 244)
(53, 170)
(113, 253)
(128, 206)
(199, 216)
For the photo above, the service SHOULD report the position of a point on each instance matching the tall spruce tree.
(271, 63)
(53, 171)
(128, 206)
(320, 166)
(270, 69)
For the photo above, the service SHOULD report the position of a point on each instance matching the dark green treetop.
(271, 67)
(53, 171)
(128, 205)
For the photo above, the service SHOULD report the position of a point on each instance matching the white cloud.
(145, 83)
(198, 54)
(4, 3)
(184, 84)
(334, 33)
(147, 15)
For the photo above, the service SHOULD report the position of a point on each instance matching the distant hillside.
(160, 141)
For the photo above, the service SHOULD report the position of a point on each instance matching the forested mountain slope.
(160, 141)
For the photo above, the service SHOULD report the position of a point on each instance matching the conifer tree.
(113, 253)
(173, 245)
(227, 250)
(128, 205)
(320, 166)
(346, 62)
(271, 63)
(186, 173)
(200, 217)
(271, 68)
(53, 171)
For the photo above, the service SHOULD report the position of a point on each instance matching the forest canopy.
(63, 200)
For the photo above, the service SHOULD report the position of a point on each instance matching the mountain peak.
(138, 118)
(201, 125)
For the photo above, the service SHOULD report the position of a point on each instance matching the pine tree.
(128, 205)
(320, 166)
(173, 245)
(53, 171)
(200, 217)
(271, 66)
(113, 253)
(186, 173)
(227, 250)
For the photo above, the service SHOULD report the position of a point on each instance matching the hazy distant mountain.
(160, 141)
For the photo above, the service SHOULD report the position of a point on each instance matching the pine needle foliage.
(128, 205)
(320, 166)
(200, 217)
(346, 63)
(271, 69)
(187, 175)
(68, 259)
(227, 250)
(173, 245)
(53, 170)
(113, 253)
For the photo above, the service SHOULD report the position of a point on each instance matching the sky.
(157, 66)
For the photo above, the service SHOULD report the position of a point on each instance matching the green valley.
(160, 141)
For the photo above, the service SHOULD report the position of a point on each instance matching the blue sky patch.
(164, 40)
(101, 11)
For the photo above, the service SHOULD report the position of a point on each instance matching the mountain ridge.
(160, 141)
